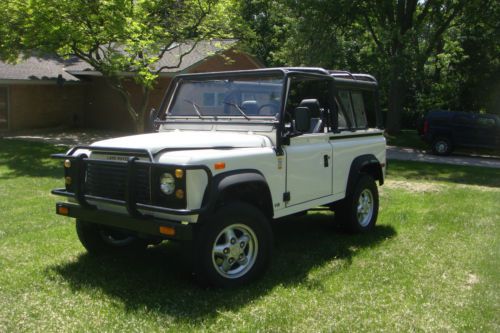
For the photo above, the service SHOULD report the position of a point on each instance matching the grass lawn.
(431, 264)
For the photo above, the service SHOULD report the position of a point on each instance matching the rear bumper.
(146, 225)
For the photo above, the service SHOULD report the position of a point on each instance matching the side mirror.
(302, 119)
(153, 115)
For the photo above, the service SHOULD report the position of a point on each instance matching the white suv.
(230, 152)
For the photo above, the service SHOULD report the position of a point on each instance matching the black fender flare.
(360, 163)
(225, 180)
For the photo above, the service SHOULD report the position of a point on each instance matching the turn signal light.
(169, 231)
(179, 194)
(67, 180)
(61, 210)
(219, 165)
(179, 173)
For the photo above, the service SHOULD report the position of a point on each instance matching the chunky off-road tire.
(442, 146)
(98, 240)
(232, 247)
(359, 210)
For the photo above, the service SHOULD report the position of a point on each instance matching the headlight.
(167, 183)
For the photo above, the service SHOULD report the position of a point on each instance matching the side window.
(314, 94)
(486, 122)
(359, 109)
(342, 122)
(370, 106)
(346, 103)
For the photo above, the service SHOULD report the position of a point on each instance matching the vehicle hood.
(155, 142)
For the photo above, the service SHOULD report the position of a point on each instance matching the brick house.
(47, 91)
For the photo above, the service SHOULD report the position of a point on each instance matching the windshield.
(245, 97)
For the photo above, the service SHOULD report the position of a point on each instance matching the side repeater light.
(219, 165)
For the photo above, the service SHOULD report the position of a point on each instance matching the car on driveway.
(446, 130)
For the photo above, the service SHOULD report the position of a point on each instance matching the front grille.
(110, 181)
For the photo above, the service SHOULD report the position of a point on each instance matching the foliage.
(114, 36)
(430, 265)
(426, 54)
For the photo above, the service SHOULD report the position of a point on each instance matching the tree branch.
(373, 34)
(158, 71)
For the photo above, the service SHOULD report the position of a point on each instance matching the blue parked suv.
(447, 130)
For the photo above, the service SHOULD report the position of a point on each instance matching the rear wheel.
(442, 146)
(233, 246)
(359, 210)
(99, 240)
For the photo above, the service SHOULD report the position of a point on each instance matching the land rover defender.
(229, 152)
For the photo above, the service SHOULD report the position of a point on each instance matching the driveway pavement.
(85, 137)
(409, 154)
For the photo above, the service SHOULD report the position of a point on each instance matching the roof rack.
(351, 76)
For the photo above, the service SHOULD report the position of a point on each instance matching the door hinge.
(286, 196)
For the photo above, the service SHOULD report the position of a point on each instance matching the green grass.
(430, 265)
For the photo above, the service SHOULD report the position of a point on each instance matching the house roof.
(201, 51)
(44, 68)
(50, 68)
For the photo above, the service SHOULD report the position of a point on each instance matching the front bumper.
(146, 225)
(141, 215)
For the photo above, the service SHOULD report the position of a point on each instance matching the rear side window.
(345, 99)
(359, 109)
(486, 122)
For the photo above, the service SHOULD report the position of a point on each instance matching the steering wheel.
(273, 107)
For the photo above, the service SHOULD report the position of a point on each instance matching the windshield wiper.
(239, 109)
(196, 108)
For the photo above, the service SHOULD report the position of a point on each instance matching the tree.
(113, 36)
(393, 39)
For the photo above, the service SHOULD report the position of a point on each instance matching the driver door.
(309, 168)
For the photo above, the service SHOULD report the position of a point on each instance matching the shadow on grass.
(159, 281)
(32, 159)
(459, 174)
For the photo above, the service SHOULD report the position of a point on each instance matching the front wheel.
(233, 246)
(358, 211)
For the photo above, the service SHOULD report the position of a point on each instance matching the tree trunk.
(142, 123)
(397, 92)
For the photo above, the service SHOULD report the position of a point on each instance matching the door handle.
(325, 160)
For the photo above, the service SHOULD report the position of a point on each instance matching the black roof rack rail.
(349, 75)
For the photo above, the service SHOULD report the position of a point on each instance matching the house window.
(208, 99)
(4, 109)
(221, 97)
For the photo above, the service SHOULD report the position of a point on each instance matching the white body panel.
(300, 171)
(308, 177)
